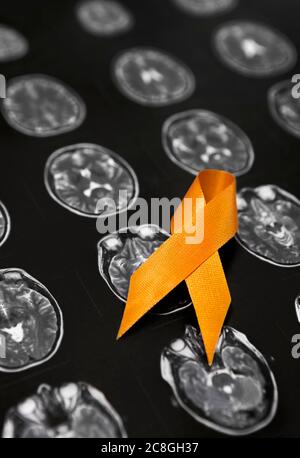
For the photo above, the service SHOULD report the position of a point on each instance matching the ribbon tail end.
(128, 320)
(122, 329)
(210, 354)
(119, 335)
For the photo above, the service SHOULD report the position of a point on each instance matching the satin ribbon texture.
(198, 264)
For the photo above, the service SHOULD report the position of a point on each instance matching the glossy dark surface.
(59, 248)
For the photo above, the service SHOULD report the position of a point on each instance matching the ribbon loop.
(198, 264)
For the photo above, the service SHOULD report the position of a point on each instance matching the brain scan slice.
(42, 106)
(72, 410)
(104, 18)
(31, 323)
(13, 45)
(151, 77)
(254, 49)
(237, 395)
(285, 107)
(4, 224)
(205, 7)
(90, 180)
(199, 139)
(269, 224)
(121, 253)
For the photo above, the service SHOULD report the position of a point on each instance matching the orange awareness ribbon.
(198, 264)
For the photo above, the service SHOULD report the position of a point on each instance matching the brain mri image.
(13, 45)
(199, 139)
(269, 224)
(31, 323)
(4, 223)
(72, 410)
(205, 7)
(121, 253)
(297, 307)
(42, 106)
(103, 17)
(254, 49)
(90, 180)
(237, 395)
(152, 77)
(284, 107)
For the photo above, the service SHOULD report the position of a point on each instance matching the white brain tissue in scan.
(269, 224)
(31, 324)
(199, 139)
(284, 106)
(205, 7)
(237, 395)
(91, 180)
(152, 77)
(121, 253)
(254, 49)
(13, 45)
(104, 17)
(72, 410)
(4, 223)
(42, 106)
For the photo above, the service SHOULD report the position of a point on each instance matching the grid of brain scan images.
(106, 102)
